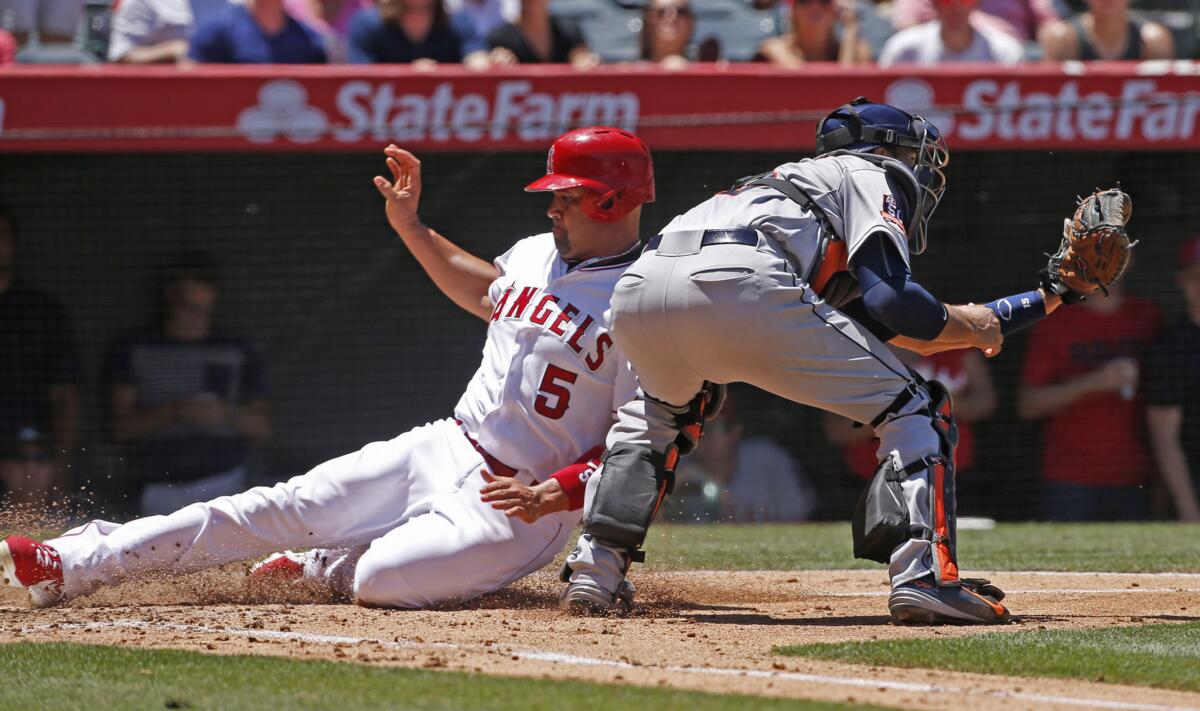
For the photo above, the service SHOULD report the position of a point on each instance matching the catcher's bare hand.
(986, 334)
(403, 191)
(516, 500)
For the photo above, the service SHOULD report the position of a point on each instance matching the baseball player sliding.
(461, 506)
(793, 281)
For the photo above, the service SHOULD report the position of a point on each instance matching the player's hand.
(403, 191)
(516, 500)
(985, 329)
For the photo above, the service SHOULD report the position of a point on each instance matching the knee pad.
(882, 520)
(634, 481)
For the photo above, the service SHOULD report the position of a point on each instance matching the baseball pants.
(408, 509)
(733, 313)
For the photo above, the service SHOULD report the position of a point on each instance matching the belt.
(498, 467)
(741, 236)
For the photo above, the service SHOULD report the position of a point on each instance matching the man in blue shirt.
(260, 32)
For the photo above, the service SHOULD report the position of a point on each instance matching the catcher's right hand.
(1095, 247)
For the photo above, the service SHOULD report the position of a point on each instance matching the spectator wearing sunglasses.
(822, 31)
(667, 27)
(1106, 31)
(955, 36)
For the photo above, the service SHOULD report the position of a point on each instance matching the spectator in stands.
(157, 31)
(731, 477)
(1106, 31)
(474, 20)
(8, 48)
(413, 32)
(28, 476)
(256, 32)
(965, 374)
(955, 36)
(1173, 392)
(39, 366)
(331, 19)
(187, 400)
(538, 37)
(1080, 379)
(1022, 19)
(822, 31)
(667, 27)
(53, 21)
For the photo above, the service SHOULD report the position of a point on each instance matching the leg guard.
(633, 484)
(882, 521)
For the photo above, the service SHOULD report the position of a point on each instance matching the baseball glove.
(1095, 247)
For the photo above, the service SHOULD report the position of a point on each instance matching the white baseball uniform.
(402, 519)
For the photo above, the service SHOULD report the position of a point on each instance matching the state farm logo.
(513, 110)
(377, 111)
(992, 110)
(282, 110)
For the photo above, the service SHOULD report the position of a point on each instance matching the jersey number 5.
(554, 389)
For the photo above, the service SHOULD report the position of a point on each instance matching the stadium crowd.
(585, 33)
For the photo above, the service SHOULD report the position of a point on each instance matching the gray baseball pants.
(734, 313)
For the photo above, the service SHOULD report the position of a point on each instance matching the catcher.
(805, 272)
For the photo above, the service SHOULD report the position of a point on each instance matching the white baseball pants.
(410, 505)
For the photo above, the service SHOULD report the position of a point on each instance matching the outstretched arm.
(460, 275)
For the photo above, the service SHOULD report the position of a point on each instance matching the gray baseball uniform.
(686, 313)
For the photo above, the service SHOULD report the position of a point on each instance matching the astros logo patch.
(891, 211)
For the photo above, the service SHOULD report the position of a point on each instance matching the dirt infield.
(700, 630)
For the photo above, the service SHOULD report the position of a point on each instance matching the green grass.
(1165, 656)
(1130, 548)
(89, 678)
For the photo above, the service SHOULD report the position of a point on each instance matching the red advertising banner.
(1098, 106)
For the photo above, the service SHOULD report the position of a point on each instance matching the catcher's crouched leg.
(632, 484)
(906, 518)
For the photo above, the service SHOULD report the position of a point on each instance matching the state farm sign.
(1115, 106)
(378, 111)
(994, 110)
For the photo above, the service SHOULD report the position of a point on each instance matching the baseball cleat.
(923, 601)
(34, 567)
(283, 567)
(588, 599)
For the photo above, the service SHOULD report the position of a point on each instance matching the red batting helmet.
(612, 164)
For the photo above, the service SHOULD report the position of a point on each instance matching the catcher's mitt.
(1095, 247)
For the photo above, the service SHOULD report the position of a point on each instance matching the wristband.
(573, 478)
(1018, 311)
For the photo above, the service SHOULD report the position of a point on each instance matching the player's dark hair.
(192, 265)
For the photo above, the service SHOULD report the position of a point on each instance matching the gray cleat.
(587, 599)
(922, 601)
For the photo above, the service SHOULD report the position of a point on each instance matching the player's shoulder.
(539, 247)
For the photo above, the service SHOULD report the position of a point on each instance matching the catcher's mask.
(863, 126)
(612, 164)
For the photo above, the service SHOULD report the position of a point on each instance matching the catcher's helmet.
(863, 125)
(612, 164)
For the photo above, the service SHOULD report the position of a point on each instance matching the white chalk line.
(576, 660)
(995, 573)
(1031, 591)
